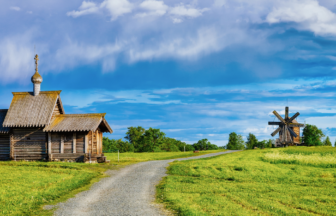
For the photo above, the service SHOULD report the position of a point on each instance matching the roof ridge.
(41, 92)
(83, 115)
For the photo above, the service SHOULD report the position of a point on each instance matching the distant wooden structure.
(35, 127)
(289, 129)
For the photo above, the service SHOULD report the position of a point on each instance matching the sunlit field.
(129, 157)
(27, 186)
(244, 183)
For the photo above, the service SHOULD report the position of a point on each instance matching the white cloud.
(154, 8)
(85, 9)
(308, 13)
(16, 58)
(117, 8)
(177, 20)
(15, 8)
(206, 40)
(187, 11)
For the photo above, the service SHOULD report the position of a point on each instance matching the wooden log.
(62, 144)
(74, 143)
(86, 144)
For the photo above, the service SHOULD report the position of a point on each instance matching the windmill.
(289, 129)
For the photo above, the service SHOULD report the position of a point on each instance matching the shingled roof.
(3, 113)
(27, 110)
(79, 122)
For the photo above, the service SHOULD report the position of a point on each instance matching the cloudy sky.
(194, 69)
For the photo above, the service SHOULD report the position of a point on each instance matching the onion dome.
(36, 78)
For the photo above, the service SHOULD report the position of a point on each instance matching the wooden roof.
(3, 113)
(27, 110)
(79, 122)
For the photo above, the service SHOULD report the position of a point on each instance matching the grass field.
(244, 183)
(25, 187)
(129, 158)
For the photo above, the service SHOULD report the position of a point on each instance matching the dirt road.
(128, 191)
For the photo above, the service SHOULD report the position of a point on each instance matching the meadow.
(28, 186)
(247, 183)
(130, 157)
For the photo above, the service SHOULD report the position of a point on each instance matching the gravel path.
(128, 191)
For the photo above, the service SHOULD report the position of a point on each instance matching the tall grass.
(242, 183)
(318, 160)
(311, 150)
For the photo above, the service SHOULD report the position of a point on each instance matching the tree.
(134, 136)
(262, 144)
(252, 141)
(152, 140)
(327, 142)
(236, 142)
(269, 144)
(204, 144)
(312, 135)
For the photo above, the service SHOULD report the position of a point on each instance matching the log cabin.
(35, 127)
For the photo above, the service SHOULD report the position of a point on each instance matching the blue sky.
(194, 69)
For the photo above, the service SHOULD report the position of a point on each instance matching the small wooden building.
(35, 127)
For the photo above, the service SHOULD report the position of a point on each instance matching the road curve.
(128, 191)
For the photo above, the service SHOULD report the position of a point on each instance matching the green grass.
(243, 183)
(25, 187)
(311, 150)
(130, 158)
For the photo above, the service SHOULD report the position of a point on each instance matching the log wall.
(29, 144)
(80, 145)
(4, 147)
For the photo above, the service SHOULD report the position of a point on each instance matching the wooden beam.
(86, 144)
(49, 143)
(97, 142)
(101, 142)
(62, 143)
(91, 142)
(74, 143)
(11, 144)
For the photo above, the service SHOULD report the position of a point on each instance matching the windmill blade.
(284, 134)
(276, 131)
(274, 123)
(286, 112)
(279, 117)
(292, 132)
(296, 125)
(293, 117)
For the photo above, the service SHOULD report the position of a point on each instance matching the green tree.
(269, 144)
(236, 142)
(327, 142)
(312, 135)
(151, 140)
(204, 144)
(252, 141)
(262, 144)
(134, 136)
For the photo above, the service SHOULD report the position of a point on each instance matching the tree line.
(312, 136)
(138, 139)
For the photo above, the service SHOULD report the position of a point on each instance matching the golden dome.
(36, 78)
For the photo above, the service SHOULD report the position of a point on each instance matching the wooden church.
(35, 127)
